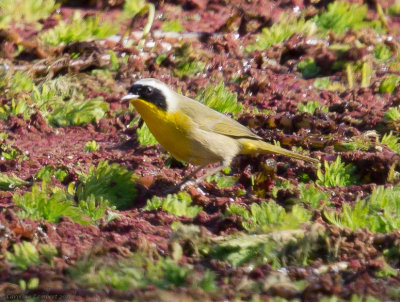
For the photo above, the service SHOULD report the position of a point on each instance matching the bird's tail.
(250, 146)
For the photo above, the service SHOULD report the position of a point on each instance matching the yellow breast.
(170, 129)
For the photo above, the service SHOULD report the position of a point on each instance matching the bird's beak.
(130, 96)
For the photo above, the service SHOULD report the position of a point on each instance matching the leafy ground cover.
(84, 213)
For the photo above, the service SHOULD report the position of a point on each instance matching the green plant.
(278, 248)
(173, 25)
(380, 212)
(341, 16)
(48, 251)
(336, 174)
(393, 114)
(12, 85)
(78, 113)
(308, 68)
(91, 146)
(381, 52)
(79, 29)
(178, 204)
(11, 182)
(313, 195)
(389, 83)
(391, 141)
(8, 152)
(50, 204)
(325, 83)
(281, 31)
(32, 283)
(133, 7)
(269, 216)
(188, 67)
(25, 254)
(112, 183)
(140, 7)
(355, 143)
(222, 181)
(310, 107)
(47, 172)
(26, 11)
(145, 137)
(220, 98)
(186, 62)
(114, 62)
(95, 209)
(134, 272)
(208, 283)
(366, 74)
(395, 8)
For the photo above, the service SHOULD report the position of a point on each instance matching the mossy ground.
(84, 215)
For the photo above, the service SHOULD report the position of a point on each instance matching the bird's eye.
(147, 90)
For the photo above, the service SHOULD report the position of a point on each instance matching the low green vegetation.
(281, 31)
(326, 84)
(11, 182)
(220, 98)
(25, 11)
(393, 114)
(26, 254)
(173, 25)
(395, 8)
(391, 141)
(362, 143)
(177, 204)
(336, 174)
(186, 62)
(94, 207)
(47, 172)
(48, 203)
(133, 7)
(138, 271)
(78, 29)
(310, 107)
(145, 137)
(278, 248)
(341, 16)
(379, 212)
(20, 81)
(308, 68)
(91, 146)
(32, 283)
(107, 186)
(382, 52)
(269, 216)
(222, 181)
(313, 195)
(78, 113)
(389, 83)
(61, 101)
(108, 182)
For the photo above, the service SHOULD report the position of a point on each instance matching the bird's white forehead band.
(168, 93)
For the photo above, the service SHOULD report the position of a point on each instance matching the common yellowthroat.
(193, 132)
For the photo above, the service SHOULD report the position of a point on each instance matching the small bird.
(193, 132)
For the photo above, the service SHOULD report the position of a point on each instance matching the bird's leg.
(190, 176)
(198, 180)
(187, 179)
(209, 173)
(184, 181)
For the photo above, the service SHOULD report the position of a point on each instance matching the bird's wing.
(208, 119)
